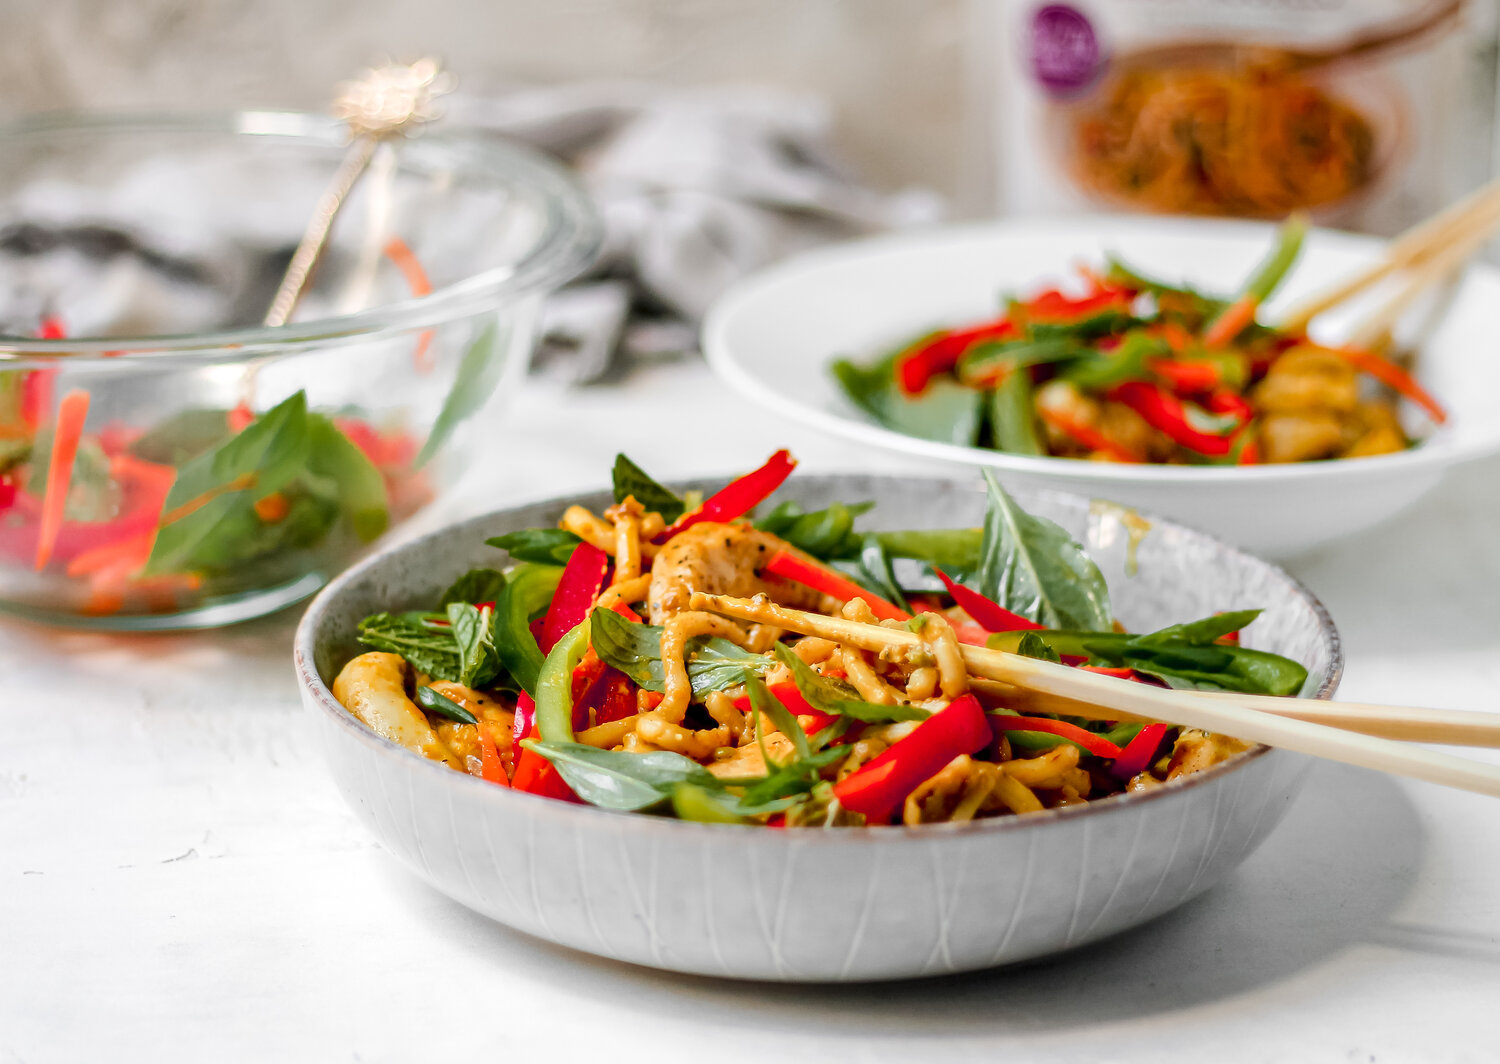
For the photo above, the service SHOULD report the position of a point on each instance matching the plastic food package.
(1369, 114)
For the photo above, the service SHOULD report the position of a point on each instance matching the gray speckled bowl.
(848, 904)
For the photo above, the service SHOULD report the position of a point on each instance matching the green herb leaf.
(954, 550)
(614, 779)
(426, 647)
(477, 660)
(1031, 646)
(546, 546)
(224, 530)
(827, 696)
(1031, 566)
(714, 664)
(183, 436)
(631, 479)
(827, 533)
(527, 592)
(359, 485)
(1103, 370)
(440, 704)
(946, 411)
(474, 587)
(1012, 416)
(473, 384)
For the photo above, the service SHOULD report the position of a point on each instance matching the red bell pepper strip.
(1119, 673)
(805, 571)
(992, 616)
(1093, 742)
(1190, 377)
(1054, 306)
(1087, 435)
(1228, 401)
(878, 788)
(1138, 753)
(787, 694)
(71, 414)
(7, 494)
(1166, 413)
(1395, 378)
(916, 367)
(577, 589)
(738, 497)
(534, 773)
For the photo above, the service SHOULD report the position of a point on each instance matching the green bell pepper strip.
(554, 686)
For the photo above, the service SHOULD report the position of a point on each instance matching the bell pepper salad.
(578, 668)
(1125, 368)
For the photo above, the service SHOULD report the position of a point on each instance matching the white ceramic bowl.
(773, 336)
(816, 905)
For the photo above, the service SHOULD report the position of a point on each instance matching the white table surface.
(180, 881)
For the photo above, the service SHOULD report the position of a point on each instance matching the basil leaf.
(1031, 566)
(546, 546)
(426, 648)
(826, 533)
(826, 696)
(440, 704)
(359, 485)
(474, 587)
(614, 779)
(946, 411)
(635, 649)
(527, 593)
(631, 479)
(1032, 646)
(473, 384)
(477, 659)
(1202, 632)
(261, 459)
(788, 783)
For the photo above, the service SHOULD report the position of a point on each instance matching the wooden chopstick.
(1226, 715)
(1442, 727)
(1479, 211)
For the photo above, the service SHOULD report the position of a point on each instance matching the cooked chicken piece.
(1375, 430)
(1131, 431)
(720, 559)
(1307, 378)
(1066, 400)
(1196, 750)
(373, 688)
(1301, 437)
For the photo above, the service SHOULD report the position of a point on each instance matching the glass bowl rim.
(570, 238)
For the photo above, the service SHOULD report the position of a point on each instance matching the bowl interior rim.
(1465, 439)
(312, 622)
(569, 239)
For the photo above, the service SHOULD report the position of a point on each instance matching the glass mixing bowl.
(167, 462)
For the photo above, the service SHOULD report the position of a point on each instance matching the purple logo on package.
(1065, 54)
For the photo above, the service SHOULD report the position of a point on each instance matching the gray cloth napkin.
(696, 188)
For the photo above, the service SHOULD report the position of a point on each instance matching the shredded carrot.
(1231, 322)
(71, 414)
(1394, 377)
(405, 260)
(273, 508)
(177, 513)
